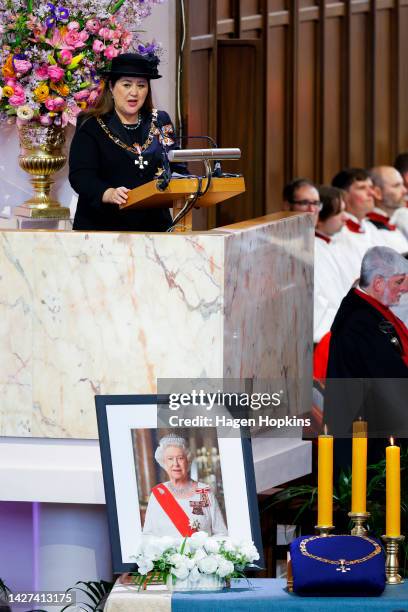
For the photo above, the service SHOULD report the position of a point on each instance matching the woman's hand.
(116, 195)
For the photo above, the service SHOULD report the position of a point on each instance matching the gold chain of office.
(136, 148)
(341, 562)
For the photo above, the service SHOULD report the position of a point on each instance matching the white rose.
(208, 565)
(200, 554)
(225, 568)
(212, 545)
(176, 559)
(181, 571)
(249, 551)
(198, 539)
(229, 546)
(145, 566)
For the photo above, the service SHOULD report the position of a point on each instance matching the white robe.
(400, 219)
(157, 523)
(394, 239)
(330, 286)
(352, 246)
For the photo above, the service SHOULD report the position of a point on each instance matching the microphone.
(217, 171)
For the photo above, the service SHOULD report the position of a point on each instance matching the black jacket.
(366, 374)
(96, 163)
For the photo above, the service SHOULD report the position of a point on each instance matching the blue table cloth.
(270, 595)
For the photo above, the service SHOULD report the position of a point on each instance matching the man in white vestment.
(389, 196)
(181, 506)
(359, 234)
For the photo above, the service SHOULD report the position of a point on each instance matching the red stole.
(354, 227)
(322, 236)
(173, 510)
(375, 216)
(400, 328)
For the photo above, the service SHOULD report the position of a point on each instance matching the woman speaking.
(118, 145)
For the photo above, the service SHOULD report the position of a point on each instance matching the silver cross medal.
(142, 162)
(343, 569)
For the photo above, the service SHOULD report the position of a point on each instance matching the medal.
(141, 162)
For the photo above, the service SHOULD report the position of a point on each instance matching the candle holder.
(324, 530)
(359, 519)
(391, 564)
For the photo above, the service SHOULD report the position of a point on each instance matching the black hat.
(134, 64)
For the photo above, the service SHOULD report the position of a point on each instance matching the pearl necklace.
(180, 490)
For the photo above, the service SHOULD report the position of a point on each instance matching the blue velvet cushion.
(316, 577)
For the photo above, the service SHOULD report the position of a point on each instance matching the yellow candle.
(325, 481)
(393, 490)
(359, 467)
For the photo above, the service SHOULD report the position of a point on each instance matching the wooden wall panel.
(331, 155)
(401, 96)
(242, 95)
(306, 101)
(276, 106)
(359, 91)
(382, 89)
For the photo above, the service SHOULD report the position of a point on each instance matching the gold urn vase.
(41, 156)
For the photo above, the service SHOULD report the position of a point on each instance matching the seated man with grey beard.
(367, 372)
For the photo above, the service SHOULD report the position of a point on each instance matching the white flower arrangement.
(192, 558)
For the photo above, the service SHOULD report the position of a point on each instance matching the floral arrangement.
(51, 55)
(194, 557)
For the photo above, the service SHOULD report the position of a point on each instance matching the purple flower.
(51, 7)
(145, 50)
(50, 22)
(63, 13)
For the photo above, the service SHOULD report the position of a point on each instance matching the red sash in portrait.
(173, 510)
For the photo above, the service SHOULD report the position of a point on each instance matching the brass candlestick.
(391, 564)
(359, 519)
(324, 530)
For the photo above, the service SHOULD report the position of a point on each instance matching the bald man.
(389, 194)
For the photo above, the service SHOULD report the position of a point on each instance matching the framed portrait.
(171, 481)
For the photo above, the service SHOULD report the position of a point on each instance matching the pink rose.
(55, 73)
(42, 71)
(54, 104)
(93, 25)
(105, 33)
(111, 52)
(116, 34)
(17, 99)
(127, 40)
(22, 66)
(98, 46)
(81, 95)
(73, 25)
(10, 82)
(65, 56)
(73, 39)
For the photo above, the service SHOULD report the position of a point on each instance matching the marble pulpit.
(87, 313)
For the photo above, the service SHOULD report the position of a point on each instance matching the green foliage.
(95, 593)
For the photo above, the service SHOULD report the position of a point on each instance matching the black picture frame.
(129, 404)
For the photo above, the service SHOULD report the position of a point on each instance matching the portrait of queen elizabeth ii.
(180, 506)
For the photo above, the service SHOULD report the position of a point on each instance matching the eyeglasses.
(307, 203)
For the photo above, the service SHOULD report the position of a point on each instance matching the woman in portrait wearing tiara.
(181, 505)
(119, 144)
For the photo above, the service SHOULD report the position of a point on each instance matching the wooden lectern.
(180, 190)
